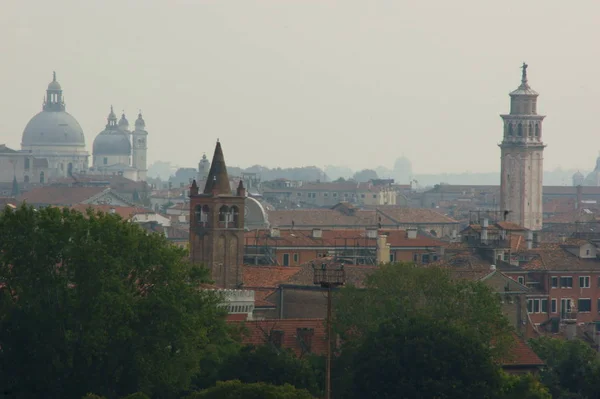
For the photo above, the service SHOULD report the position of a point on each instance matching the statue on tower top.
(524, 74)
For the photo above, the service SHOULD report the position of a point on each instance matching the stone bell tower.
(522, 159)
(217, 225)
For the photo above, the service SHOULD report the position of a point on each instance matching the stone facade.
(522, 159)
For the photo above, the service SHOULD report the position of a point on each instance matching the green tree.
(93, 303)
(424, 357)
(524, 386)
(259, 390)
(573, 367)
(269, 365)
(401, 290)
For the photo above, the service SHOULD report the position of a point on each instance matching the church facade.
(53, 147)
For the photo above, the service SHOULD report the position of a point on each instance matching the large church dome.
(53, 126)
(112, 140)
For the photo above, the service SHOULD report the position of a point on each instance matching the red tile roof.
(266, 276)
(259, 332)
(402, 215)
(521, 355)
(60, 195)
(335, 238)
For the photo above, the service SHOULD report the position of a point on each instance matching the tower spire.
(217, 181)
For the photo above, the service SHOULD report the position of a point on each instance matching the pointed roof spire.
(218, 180)
(54, 76)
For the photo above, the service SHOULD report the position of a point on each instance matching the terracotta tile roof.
(584, 215)
(521, 355)
(402, 215)
(259, 332)
(266, 276)
(126, 212)
(117, 183)
(553, 257)
(509, 226)
(321, 217)
(335, 238)
(355, 274)
(559, 205)
(60, 195)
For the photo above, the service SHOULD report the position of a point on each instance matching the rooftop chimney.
(383, 250)
(411, 233)
(275, 232)
(372, 233)
(484, 231)
(317, 233)
(529, 239)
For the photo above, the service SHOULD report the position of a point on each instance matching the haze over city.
(310, 83)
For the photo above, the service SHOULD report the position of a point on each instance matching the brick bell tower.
(217, 225)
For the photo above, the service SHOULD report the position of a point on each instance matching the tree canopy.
(424, 357)
(259, 390)
(91, 303)
(428, 296)
(573, 367)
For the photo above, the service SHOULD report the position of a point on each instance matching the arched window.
(42, 177)
(530, 130)
(198, 214)
(70, 169)
(235, 216)
(224, 216)
(204, 217)
(537, 130)
(27, 163)
(26, 179)
(510, 129)
(520, 130)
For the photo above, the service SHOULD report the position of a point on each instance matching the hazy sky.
(310, 82)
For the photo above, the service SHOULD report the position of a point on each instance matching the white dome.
(53, 128)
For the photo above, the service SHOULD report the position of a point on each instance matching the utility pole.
(329, 276)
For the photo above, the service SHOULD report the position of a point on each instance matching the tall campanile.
(522, 159)
(217, 225)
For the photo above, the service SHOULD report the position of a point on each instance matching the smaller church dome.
(577, 175)
(54, 85)
(123, 122)
(140, 124)
(112, 140)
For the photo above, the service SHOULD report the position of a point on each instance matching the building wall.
(521, 185)
(102, 161)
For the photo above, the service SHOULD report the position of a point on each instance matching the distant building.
(119, 151)
(522, 158)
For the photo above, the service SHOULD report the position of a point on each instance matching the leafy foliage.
(405, 291)
(423, 357)
(402, 290)
(269, 365)
(93, 303)
(573, 368)
(259, 390)
(523, 387)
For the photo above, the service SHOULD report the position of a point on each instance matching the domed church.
(117, 150)
(55, 135)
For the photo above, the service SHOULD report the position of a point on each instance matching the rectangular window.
(553, 305)
(105, 160)
(565, 307)
(521, 280)
(296, 258)
(584, 305)
(334, 195)
(392, 257)
(299, 194)
(374, 195)
(362, 196)
(325, 194)
(530, 306)
(286, 259)
(537, 305)
(584, 282)
(555, 282)
(566, 282)
(425, 258)
(415, 258)
(544, 305)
